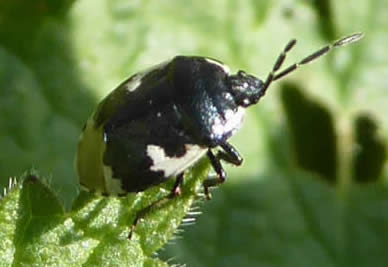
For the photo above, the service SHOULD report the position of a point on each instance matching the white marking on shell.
(224, 67)
(246, 101)
(233, 121)
(135, 80)
(227, 96)
(172, 166)
(133, 83)
(113, 186)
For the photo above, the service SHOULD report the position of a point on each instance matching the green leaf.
(35, 230)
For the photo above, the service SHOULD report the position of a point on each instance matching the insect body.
(161, 121)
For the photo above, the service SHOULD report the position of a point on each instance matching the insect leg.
(176, 191)
(221, 174)
(230, 154)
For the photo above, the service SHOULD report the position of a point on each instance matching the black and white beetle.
(161, 121)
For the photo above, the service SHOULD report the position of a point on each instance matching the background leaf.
(283, 207)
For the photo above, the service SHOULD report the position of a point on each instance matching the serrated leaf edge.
(13, 183)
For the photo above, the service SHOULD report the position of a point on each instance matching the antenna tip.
(355, 37)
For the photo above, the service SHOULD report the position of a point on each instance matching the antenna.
(273, 76)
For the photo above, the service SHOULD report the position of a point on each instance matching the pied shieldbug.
(159, 122)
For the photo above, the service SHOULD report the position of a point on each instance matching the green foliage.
(36, 231)
(313, 187)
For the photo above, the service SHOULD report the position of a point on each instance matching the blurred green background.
(313, 188)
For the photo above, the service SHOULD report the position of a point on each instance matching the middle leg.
(228, 154)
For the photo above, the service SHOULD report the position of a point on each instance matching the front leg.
(229, 154)
(221, 175)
